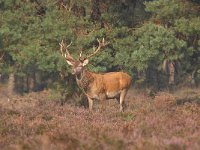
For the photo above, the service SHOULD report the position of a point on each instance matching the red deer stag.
(99, 86)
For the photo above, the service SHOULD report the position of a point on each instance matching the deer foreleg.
(121, 101)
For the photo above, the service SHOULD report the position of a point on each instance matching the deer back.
(112, 82)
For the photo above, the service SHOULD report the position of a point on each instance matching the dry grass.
(169, 121)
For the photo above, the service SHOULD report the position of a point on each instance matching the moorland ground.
(38, 121)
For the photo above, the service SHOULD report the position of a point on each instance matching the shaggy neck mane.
(84, 79)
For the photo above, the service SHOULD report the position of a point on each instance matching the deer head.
(78, 65)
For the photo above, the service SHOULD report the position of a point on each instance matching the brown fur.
(103, 86)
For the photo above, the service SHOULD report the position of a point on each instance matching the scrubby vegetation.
(36, 121)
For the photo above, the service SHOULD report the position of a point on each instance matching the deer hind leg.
(121, 101)
(90, 102)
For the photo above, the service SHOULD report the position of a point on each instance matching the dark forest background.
(156, 41)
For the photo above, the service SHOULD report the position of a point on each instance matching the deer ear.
(85, 62)
(70, 63)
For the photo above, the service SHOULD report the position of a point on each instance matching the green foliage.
(169, 10)
(188, 26)
(153, 44)
(31, 31)
(181, 18)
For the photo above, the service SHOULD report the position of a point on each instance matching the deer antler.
(66, 54)
(80, 52)
(101, 44)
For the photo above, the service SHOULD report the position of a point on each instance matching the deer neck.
(84, 79)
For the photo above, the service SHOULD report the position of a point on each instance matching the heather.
(38, 121)
(156, 42)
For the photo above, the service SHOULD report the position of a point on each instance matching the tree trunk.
(31, 82)
(19, 84)
(152, 78)
(11, 84)
(25, 84)
(193, 76)
(171, 67)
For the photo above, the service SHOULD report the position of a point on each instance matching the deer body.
(103, 86)
(100, 86)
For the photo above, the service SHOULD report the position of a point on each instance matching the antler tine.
(101, 44)
(67, 55)
(69, 44)
(98, 41)
(61, 47)
(80, 53)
